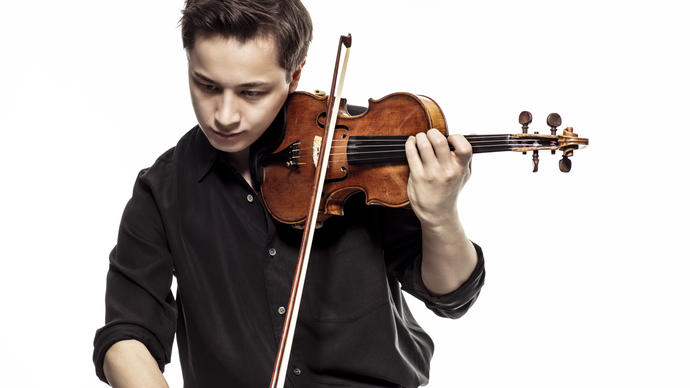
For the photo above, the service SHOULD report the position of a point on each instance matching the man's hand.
(437, 175)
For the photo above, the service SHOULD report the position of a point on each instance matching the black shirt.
(192, 216)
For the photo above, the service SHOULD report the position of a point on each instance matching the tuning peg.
(553, 120)
(535, 161)
(565, 164)
(525, 120)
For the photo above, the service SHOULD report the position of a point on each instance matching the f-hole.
(321, 123)
(321, 120)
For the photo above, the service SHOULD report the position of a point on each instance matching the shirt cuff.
(456, 303)
(110, 334)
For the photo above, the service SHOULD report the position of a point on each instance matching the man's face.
(237, 89)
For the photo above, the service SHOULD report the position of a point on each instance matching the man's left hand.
(437, 175)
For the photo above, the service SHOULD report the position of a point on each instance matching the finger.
(440, 145)
(463, 149)
(426, 150)
(413, 159)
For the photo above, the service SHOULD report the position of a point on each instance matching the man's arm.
(129, 364)
(437, 175)
(139, 302)
(448, 257)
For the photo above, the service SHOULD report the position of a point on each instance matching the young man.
(197, 214)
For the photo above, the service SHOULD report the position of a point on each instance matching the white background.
(586, 272)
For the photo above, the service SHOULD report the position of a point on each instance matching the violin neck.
(492, 143)
(391, 149)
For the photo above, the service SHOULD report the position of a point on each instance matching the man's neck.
(240, 162)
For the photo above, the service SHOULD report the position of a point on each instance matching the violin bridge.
(315, 149)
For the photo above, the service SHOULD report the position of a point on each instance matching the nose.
(227, 112)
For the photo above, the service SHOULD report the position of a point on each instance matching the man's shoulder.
(165, 165)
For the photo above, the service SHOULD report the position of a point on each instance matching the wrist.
(441, 223)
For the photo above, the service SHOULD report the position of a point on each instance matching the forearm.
(128, 364)
(448, 256)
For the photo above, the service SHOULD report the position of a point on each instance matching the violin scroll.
(567, 142)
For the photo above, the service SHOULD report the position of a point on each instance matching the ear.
(295, 77)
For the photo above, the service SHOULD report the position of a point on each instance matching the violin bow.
(283, 357)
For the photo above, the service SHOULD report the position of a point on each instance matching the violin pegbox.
(567, 142)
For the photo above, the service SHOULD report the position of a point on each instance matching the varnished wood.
(397, 114)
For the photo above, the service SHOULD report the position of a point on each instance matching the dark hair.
(287, 21)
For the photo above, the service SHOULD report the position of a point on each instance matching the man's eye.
(252, 93)
(210, 88)
(207, 87)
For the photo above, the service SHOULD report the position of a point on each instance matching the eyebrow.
(254, 84)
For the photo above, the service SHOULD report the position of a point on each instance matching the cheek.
(269, 110)
(203, 107)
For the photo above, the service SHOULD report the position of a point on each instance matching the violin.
(326, 155)
(368, 152)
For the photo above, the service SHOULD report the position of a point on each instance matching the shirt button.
(281, 310)
(250, 198)
(272, 252)
(297, 371)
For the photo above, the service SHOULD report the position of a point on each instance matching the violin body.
(361, 159)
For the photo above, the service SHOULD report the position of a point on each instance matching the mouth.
(225, 135)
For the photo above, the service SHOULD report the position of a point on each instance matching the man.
(196, 214)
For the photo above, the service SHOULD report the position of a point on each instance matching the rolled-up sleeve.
(403, 245)
(454, 304)
(139, 302)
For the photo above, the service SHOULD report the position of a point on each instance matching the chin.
(230, 148)
(220, 144)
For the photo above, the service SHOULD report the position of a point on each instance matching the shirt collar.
(206, 155)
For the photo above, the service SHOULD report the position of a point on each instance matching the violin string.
(404, 137)
(395, 148)
(480, 143)
(401, 151)
(391, 144)
(403, 140)
(490, 143)
(396, 156)
(392, 158)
